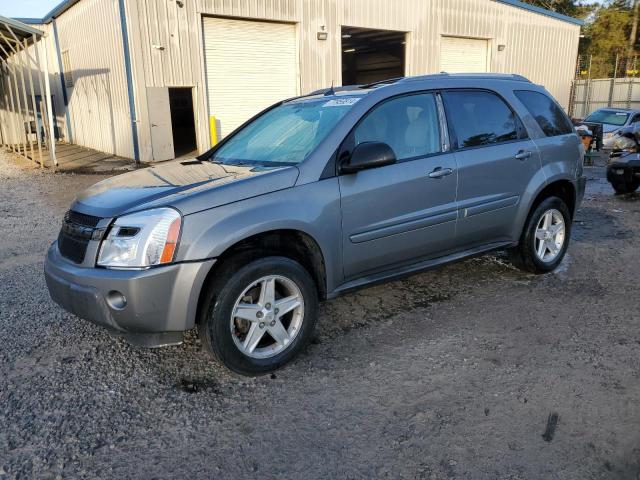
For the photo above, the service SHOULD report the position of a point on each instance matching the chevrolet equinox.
(315, 196)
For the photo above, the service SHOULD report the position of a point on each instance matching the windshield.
(612, 117)
(287, 134)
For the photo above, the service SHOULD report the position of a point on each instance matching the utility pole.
(634, 29)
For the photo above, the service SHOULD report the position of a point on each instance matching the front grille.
(81, 219)
(75, 235)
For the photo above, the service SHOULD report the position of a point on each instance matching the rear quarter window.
(549, 116)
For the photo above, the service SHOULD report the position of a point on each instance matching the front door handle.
(440, 172)
(523, 155)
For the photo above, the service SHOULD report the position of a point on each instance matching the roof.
(13, 34)
(542, 11)
(66, 4)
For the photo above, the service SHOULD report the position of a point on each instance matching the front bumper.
(159, 303)
(625, 171)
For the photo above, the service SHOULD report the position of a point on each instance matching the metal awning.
(14, 34)
(25, 123)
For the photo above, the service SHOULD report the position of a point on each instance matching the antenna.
(331, 91)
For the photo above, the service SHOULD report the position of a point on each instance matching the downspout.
(64, 84)
(127, 66)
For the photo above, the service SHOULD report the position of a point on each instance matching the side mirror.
(368, 155)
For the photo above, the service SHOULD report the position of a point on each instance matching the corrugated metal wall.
(167, 50)
(98, 102)
(167, 41)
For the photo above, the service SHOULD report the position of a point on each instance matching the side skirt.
(394, 274)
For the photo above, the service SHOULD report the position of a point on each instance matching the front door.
(404, 212)
(496, 161)
(161, 127)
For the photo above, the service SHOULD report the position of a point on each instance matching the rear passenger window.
(481, 118)
(408, 124)
(547, 113)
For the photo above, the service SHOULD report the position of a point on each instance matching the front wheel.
(629, 186)
(257, 317)
(545, 238)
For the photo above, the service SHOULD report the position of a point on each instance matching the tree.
(610, 34)
(573, 8)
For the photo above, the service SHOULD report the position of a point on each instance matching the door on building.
(173, 132)
(464, 55)
(370, 55)
(250, 65)
(183, 123)
(160, 122)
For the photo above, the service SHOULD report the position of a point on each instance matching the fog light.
(116, 300)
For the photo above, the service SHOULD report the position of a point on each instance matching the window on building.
(481, 118)
(408, 124)
(66, 69)
(547, 113)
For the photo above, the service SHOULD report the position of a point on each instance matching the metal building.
(155, 79)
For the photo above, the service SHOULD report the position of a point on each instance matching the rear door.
(496, 161)
(558, 142)
(403, 212)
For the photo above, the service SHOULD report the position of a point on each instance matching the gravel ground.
(454, 373)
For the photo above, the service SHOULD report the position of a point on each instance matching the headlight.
(609, 134)
(141, 239)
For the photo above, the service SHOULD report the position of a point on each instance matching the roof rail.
(388, 81)
(492, 76)
(324, 91)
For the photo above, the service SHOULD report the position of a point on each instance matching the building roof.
(13, 35)
(66, 4)
(541, 11)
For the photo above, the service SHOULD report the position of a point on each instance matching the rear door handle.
(523, 155)
(440, 172)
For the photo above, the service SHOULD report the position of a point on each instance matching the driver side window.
(408, 124)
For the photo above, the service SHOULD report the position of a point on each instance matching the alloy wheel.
(267, 316)
(550, 235)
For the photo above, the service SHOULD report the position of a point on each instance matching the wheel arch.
(295, 244)
(562, 187)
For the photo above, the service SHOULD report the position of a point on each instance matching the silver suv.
(316, 196)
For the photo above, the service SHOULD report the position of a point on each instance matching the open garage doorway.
(370, 55)
(183, 122)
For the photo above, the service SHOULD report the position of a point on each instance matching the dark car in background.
(613, 120)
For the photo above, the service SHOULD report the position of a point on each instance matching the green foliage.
(572, 8)
(605, 35)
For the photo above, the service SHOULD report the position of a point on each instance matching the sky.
(27, 8)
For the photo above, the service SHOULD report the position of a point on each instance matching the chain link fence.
(605, 82)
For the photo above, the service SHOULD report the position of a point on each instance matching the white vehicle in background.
(612, 121)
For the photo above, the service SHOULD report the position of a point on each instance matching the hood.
(608, 127)
(182, 184)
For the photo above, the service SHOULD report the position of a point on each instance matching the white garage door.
(460, 55)
(249, 66)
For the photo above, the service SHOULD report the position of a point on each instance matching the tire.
(526, 255)
(625, 186)
(238, 288)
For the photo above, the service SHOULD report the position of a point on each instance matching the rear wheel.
(545, 238)
(258, 317)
